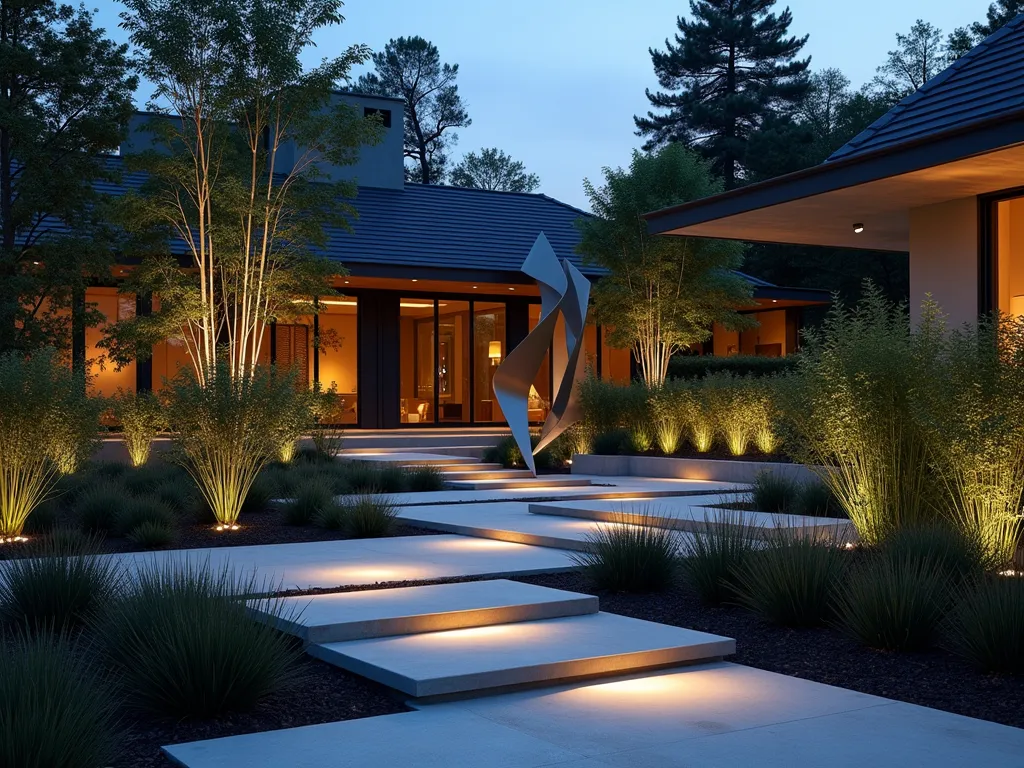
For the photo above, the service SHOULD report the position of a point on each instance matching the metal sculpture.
(563, 291)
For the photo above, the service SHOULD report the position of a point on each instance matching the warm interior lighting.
(1017, 306)
(353, 302)
(511, 289)
(494, 351)
(858, 228)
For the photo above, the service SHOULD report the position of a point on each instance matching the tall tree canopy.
(661, 293)
(234, 174)
(65, 96)
(493, 169)
(732, 66)
(999, 14)
(918, 56)
(410, 68)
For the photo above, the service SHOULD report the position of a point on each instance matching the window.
(488, 351)
(385, 115)
(416, 361)
(1008, 237)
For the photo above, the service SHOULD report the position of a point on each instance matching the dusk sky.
(555, 83)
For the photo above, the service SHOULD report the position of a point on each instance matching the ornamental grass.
(715, 551)
(142, 417)
(185, 645)
(227, 430)
(630, 557)
(47, 426)
(54, 711)
(987, 625)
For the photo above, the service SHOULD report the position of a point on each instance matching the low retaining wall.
(725, 471)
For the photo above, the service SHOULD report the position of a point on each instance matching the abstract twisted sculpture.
(563, 291)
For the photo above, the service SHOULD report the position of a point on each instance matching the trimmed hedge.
(699, 366)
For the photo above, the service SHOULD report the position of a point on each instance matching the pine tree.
(410, 68)
(731, 67)
(999, 14)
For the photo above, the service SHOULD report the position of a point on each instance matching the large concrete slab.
(328, 564)
(714, 715)
(410, 610)
(518, 482)
(461, 660)
(602, 488)
(506, 521)
(690, 513)
(483, 472)
(726, 470)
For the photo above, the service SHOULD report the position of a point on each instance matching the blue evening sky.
(555, 83)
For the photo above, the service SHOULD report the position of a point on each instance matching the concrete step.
(532, 652)
(471, 451)
(692, 513)
(544, 481)
(413, 458)
(494, 472)
(345, 616)
(406, 439)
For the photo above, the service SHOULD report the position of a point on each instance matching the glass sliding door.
(417, 361)
(488, 351)
(540, 393)
(453, 371)
(1009, 258)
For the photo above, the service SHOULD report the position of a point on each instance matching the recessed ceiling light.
(476, 286)
(415, 279)
(775, 301)
(511, 289)
(858, 228)
(346, 282)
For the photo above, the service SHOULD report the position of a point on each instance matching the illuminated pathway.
(718, 714)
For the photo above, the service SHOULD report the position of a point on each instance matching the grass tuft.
(370, 517)
(58, 586)
(186, 646)
(312, 496)
(987, 625)
(792, 580)
(54, 712)
(714, 552)
(628, 557)
(774, 492)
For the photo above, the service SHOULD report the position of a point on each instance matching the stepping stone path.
(460, 639)
(691, 513)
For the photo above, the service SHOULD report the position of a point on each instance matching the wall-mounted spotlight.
(858, 228)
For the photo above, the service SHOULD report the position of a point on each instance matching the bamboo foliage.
(236, 174)
(141, 416)
(45, 418)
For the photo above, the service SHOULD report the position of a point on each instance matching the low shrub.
(986, 626)
(894, 603)
(370, 517)
(142, 480)
(792, 580)
(110, 470)
(98, 507)
(623, 557)
(179, 495)
(714, 552)
(186, 646)
(58, 585)
(955, 555)
(54, 711)
(312, 496)
(137, 511)
(774, 492)
(425, 479)
(152, 534)
(612, 443)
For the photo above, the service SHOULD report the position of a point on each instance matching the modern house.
(433, 301)
(941, 176)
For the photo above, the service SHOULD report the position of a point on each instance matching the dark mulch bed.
(322, 694)
(255, 528)
(935, 679)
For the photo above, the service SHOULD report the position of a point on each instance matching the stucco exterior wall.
(944, 258)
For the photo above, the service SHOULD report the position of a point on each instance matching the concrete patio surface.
(329, 564)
